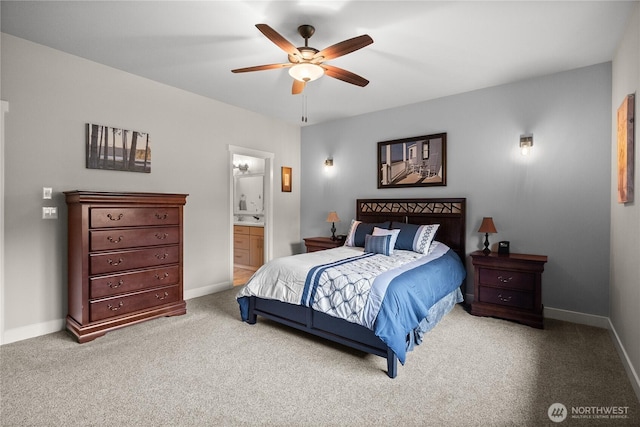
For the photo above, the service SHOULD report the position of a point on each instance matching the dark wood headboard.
(449, 213)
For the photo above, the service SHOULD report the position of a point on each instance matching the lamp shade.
(333, 217)
(306, 72)
(487, 226)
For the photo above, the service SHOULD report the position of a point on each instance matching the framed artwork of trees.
(118, 149)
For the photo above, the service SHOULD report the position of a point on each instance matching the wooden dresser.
(125, 259)
(508, 287)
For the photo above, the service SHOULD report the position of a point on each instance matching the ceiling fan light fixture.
(306, 72)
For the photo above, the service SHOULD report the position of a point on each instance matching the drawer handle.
(163, 296)
(161, 236)
(163, 256)
(503, 299)
(112, 262)
(503, 280)
(112, 240)
(164, 276)
(162, 216)
(116, 285)
(115, 308)
(117, 218)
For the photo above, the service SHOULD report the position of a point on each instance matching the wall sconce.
(526, 142)
(329, 162)
(487, 227)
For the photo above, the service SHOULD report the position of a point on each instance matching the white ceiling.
(422, 49)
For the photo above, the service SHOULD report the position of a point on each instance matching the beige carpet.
(209, 368)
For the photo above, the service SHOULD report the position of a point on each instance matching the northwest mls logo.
(557, 412)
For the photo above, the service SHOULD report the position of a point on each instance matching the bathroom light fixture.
(328, 162)
(333, 218)
(487, 227)
(242, 167)
(306, 72)
(526, 142)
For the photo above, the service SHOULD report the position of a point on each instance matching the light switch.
(49, 212)
(47, 192)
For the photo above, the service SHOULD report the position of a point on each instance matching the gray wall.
(556, 202)
(51, 97)
(625, 219)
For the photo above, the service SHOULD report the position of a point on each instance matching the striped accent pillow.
(377, 244)
(415, 237)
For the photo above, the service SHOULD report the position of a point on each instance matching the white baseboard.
(576, 317)
(32, 331)
(624, 357)
(44, 328)
(206, 290)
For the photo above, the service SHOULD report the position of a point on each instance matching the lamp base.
(333, 231)
(486, 249)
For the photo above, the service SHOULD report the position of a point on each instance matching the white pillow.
(383, 232)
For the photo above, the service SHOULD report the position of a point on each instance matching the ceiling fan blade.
(297, 87)
(280, 41)
(344, 47)
(344, 75)
(262, 67)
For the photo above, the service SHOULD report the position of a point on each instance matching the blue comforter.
(410, 295)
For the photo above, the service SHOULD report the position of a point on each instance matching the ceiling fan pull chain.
(304, 108)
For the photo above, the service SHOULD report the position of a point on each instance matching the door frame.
(268, 199)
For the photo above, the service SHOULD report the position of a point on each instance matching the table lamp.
(333, 218)
(487, 227)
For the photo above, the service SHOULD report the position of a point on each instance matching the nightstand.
(321, 243)
(508, 287)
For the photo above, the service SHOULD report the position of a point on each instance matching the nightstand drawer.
(506, 297)
(507, 279)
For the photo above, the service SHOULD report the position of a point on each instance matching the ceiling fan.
(307, 63)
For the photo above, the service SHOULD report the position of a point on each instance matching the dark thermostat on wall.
(503, 247)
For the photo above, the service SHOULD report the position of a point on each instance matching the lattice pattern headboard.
(449, 213)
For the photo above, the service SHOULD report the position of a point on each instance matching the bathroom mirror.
(248, 194)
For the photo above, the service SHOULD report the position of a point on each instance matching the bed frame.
(448, 212)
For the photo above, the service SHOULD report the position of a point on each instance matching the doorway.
(251, 210)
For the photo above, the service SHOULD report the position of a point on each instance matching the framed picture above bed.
(419, 161)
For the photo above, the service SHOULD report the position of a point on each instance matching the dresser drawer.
(111, 262)
(128, 217)
(506, 297)
(136, 237)
(103, 286)
(507, 279)
(117, 306)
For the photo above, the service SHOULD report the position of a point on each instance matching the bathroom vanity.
(248, 246)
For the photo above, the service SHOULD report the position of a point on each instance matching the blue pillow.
(359, 229)
(377, 244)
(413, 237)
(383, 232)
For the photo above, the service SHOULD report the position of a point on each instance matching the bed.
(305, 304)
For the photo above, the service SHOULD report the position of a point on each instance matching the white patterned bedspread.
(344, 290)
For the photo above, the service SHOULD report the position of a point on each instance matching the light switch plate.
(47, 192)
(49, 212)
